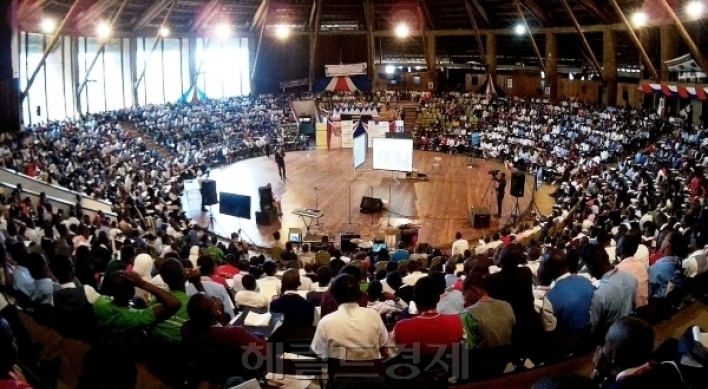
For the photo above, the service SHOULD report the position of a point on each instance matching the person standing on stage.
(501, 187)
(280, 161)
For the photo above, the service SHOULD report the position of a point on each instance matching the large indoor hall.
(340, 194)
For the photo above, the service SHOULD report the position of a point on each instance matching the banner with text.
(321, 136)
(347, 134)
(353, 69)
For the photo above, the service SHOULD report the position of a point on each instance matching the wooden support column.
(669, 48)
(552, 65)
(430, 62)
(609, 64)
(313, 45)
(492, 56)
(75, 73)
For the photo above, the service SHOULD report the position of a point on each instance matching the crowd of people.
(625, 244)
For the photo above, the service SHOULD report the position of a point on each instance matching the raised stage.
(441, 205)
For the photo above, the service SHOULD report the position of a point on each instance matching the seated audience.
(112, 308)
(422, 332)
(414, 274)
(269, 285)
(616, 292)
(329, 304)
(626, 247)
(352, 332)
(324, 276)
(248, 297)
(667, 274)
(243, 268)
(296, 310)
(386, 304)
(487, 322)
(627, 355)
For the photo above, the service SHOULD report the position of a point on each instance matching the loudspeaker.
(518, 183)
(209, 192)
(265, 193)
(346, 242)
(370, 205)
(481, 218)
(266, 218)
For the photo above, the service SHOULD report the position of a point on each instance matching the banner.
(321, 136)
(347, 134)
(683, 63)
(377, 130)
(354, 69)
(294, 83)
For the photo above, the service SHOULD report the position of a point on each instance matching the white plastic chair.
(437, 162)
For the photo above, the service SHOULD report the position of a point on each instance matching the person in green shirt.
(213, 250)
(114, 313)
(127, 256)
(174, 275)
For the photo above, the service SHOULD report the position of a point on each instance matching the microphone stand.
(317, 206)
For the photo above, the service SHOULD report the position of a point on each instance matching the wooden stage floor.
(326, 180)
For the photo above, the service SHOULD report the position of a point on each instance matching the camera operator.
(500, 180)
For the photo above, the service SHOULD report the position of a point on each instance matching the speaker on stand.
(268, 214)
(516, 189)
(209, 196)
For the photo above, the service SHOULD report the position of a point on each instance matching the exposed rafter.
(584, 41)
(635, 40)
(697, 55)
(538, 13)
(150, 14)
(428, 17)
(541, 64)
(311, 20)
(257, 15)
(481, 11)
(594, 10)
(477, 35)
(210, 10)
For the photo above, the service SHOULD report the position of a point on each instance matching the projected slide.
(359, 150)
(393, 154)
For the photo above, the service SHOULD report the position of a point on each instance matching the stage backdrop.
(341, 134)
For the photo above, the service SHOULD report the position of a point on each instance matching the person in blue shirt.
(401, 254)
(42, 288)
(668, 269)
(615, 294)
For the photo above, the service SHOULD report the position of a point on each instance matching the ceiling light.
(164, 32)
(48, 25)
(103, 30)
(694, 8)
(222, 30)
(390, 69)
(520, 29)
(282, 31)
(402, 31)
(639, 19)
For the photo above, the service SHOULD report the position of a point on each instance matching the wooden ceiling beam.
(481, 11)
(473, 21)
(538, 13)
(426, 11)
(257, 15)
(584, 41)
(207, 13)
(594, 10)
(150, 14)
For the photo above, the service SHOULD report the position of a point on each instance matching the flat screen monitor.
(359, 150)
(393, 154)
(235, 205)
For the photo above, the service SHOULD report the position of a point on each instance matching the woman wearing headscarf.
(143, 266)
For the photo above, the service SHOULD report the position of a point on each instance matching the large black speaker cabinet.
(346, 242)
(481, 218)
(370, 205)
(265, 193)
(209, 192)
(518, 183)
(266, 218)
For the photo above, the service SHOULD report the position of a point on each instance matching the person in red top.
(8, 359)
(230, 269)
(430, 331)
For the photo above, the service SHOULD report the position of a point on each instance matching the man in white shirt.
(696, 263)
(460, 245)
(249, 297)
(351, 332)
(414, 274)
(269, 285)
